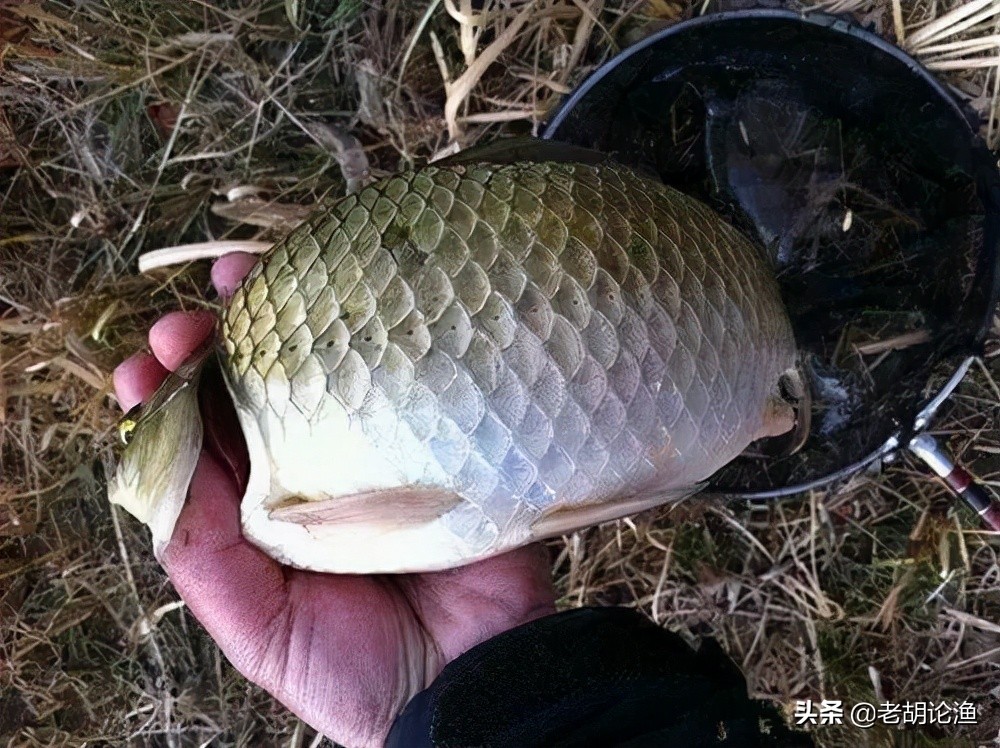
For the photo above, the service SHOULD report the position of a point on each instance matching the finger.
(466, 606)
(230, 270)
(233, 588)
(136, 379)
(229, 584)
(175, 336)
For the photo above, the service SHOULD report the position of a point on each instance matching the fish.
(476, 354)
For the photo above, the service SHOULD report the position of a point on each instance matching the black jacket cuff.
(590, 676)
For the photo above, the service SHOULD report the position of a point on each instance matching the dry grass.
(124, 126)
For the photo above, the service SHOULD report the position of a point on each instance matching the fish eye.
(125, 430)
(128, 423)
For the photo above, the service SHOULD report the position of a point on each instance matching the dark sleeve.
(591, 676)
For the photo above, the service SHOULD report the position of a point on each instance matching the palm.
(344, 652)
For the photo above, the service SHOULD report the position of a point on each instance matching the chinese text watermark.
(864, 714)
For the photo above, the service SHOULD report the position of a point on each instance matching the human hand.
(343, 652)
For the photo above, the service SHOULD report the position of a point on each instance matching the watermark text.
(864, 714)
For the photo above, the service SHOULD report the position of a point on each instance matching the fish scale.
(543, 339)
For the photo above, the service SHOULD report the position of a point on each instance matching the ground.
(129, 125)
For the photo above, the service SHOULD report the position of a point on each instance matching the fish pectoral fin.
(567, 519)
(390, 508)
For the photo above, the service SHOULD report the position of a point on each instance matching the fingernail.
(175, 336)
(136, 378)
(229, 271)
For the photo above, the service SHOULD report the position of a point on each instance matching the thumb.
(233, 588)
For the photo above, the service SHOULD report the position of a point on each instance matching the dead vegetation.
(127, 126)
